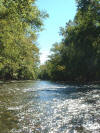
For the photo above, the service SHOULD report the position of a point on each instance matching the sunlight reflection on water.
(47, 107)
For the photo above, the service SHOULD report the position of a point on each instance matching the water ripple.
(46, 107)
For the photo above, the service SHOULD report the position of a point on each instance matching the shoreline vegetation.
(77, 56)
(75, 59)
(20, 23)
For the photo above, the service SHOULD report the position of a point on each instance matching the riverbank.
(79, 82)
(57, 81)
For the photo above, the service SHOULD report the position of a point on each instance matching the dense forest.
(77, 56)
(20, 22)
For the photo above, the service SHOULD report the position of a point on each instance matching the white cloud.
(44, 56)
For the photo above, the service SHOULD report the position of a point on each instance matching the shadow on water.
(69, 91)
(8, 120)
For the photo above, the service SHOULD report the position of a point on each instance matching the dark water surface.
(48, 107)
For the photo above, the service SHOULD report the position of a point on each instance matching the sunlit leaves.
(20, 21)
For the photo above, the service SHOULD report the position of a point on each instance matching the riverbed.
(49, 107)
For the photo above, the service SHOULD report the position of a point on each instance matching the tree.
(20, 21)
(77, 57)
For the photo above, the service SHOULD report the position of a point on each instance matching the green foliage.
(77, 57)
(20, 21)
(43, 72)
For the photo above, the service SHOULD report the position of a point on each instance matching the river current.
(49, 107)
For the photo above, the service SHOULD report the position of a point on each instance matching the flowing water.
(48, 107)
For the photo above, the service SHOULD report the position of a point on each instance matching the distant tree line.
(77, 56)
(20, 21)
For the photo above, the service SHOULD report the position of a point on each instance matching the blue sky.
(60, 12)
